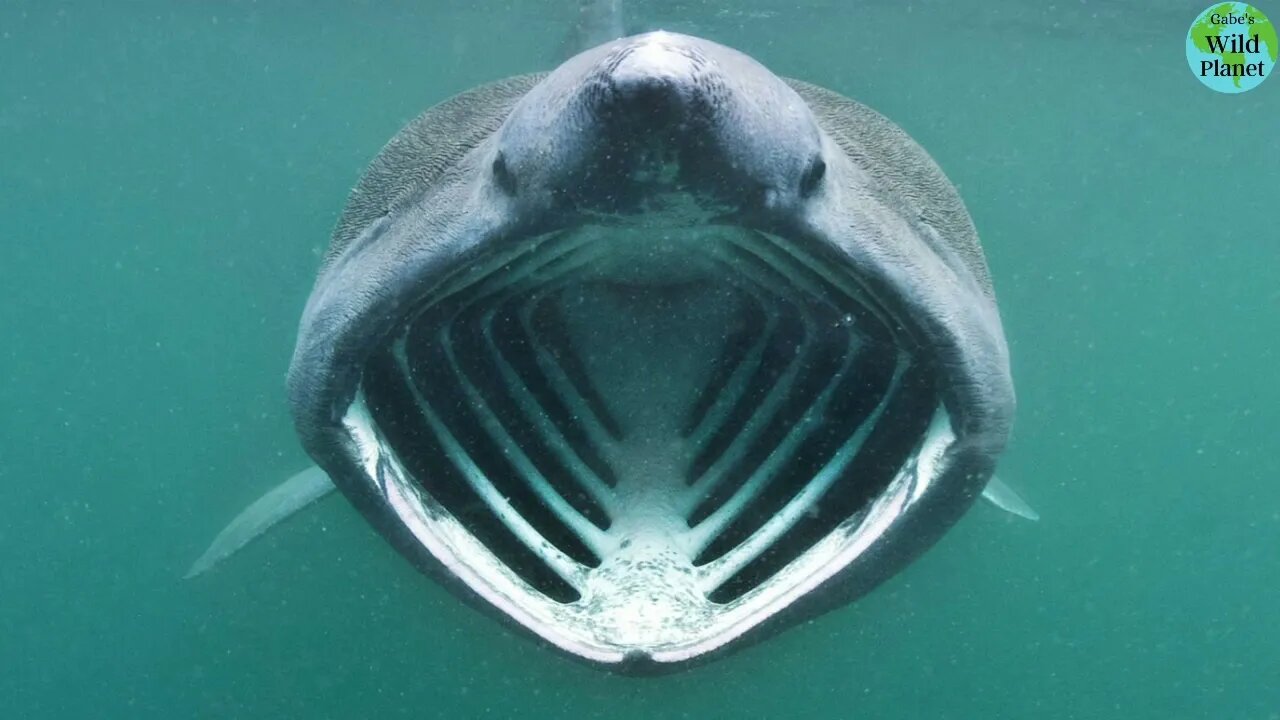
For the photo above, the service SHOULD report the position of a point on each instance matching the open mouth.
(642, 440)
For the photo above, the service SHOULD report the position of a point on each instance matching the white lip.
(649, 593)
(583, 628)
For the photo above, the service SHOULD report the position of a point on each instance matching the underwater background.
(169, 175)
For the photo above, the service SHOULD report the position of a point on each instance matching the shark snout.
(655, 75)
(654, 114)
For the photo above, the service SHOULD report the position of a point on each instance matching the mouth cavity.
(645, 439)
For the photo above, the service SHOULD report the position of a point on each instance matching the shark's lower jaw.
(642, 443)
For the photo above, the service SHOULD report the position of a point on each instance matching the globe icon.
(1232, 47)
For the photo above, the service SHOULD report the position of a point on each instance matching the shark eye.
(502, 174)
(812, 177)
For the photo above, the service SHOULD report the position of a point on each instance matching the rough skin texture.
(423, 151)
(910, 179)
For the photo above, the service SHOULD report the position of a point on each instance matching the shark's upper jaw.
(643, 440)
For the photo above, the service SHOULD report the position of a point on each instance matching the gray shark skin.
(656, 354)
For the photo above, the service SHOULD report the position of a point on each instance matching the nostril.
(502, 174)
(812, 177)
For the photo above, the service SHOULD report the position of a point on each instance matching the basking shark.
(651, 356)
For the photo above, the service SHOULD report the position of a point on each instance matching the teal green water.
(169, 173)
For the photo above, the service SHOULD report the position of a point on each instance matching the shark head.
(655, 354)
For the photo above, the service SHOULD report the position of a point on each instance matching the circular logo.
(1231, 47)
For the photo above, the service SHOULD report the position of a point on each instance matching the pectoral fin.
(1005, 498)
(279, 503)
